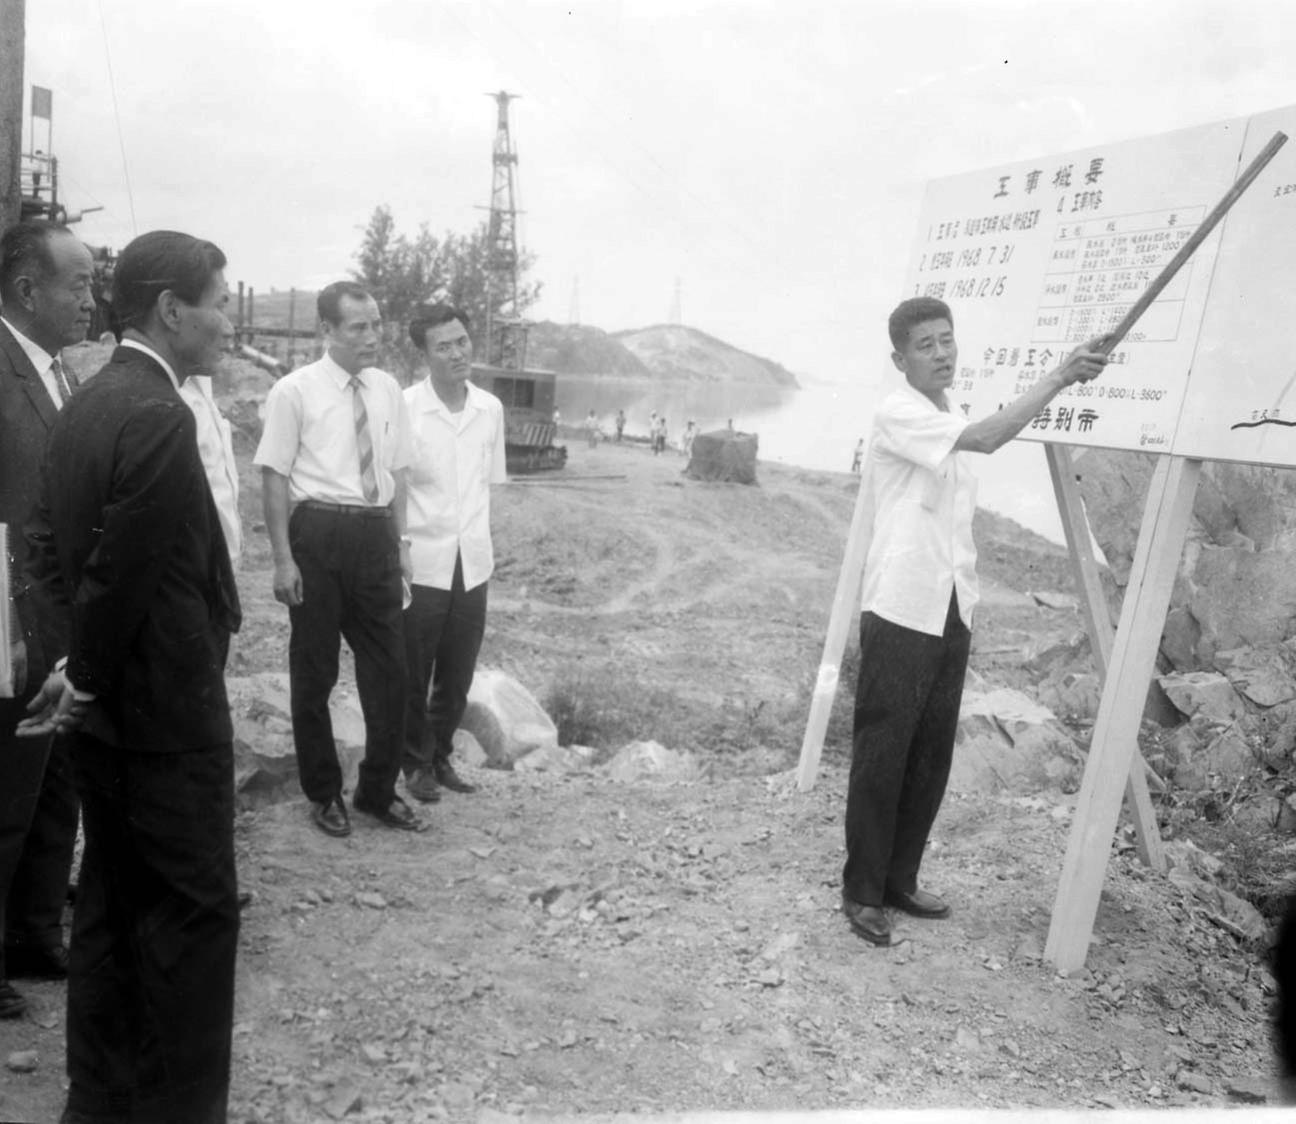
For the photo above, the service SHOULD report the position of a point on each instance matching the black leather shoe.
(422, 785)
(397, 814)
(331, 817)
(868, 921)
(446, 777)
(11, 1003)
(918, 904)
(36, 961)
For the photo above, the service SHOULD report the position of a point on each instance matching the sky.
(767, 156)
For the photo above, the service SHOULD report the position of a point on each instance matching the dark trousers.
(906, 715)
(351, 587)
(443, 634)
(38, 823)
(154, 936)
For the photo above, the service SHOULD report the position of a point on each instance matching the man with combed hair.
(920, 588)
(334, 452)
(45, 287)
(127, 539)
(458, 453)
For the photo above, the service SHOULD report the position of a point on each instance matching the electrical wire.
(121, 141)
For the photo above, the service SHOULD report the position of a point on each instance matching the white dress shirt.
(216, 447)
(42, 360)
(310, 435)
(457, 457)
(924, 496)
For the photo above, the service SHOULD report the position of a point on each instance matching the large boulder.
(506, 719)
(651, 761)
(1007, 742)
(265, 760)
(724, 455)
(1236, 585)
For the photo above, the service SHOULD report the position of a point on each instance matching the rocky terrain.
(588, 936)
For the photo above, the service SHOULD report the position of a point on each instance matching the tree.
(403, 273)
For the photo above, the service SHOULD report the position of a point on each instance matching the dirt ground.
(564, 944)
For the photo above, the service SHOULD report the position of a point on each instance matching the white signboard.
(1036, 257)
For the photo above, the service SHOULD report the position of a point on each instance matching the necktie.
(364, 443)
(60, 380)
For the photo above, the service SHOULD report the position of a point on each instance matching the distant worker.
(458, 454)
(686, 443)
(591, 428)
(620, 424)
(659, 435)
(334, 451)
(731, 425)
(557, 421)
(859, 455)
(919, 590)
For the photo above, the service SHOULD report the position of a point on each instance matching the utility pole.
(505, 330)
(13, 25)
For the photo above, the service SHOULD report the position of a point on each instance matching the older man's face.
(61, 301)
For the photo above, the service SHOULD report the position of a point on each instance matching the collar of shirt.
(906, 387)
(431, 401)
(155, 356)
(202, 384)
(40, 358)
(340, 375)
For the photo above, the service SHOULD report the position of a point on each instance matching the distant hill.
(663, 351)
(675, 352)
(576, 349)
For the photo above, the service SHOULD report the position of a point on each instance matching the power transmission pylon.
(505, 329)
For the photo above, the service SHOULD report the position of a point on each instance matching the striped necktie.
(60, 380)
(364, 443)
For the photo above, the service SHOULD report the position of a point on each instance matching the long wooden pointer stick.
(1198, 236)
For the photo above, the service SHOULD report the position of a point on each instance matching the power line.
(121, 141)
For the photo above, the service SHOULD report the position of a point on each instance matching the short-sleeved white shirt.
(310, 433)
(924, 496)
(216, 448)
(456, 458)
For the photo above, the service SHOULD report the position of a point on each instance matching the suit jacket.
(27, 414)
(126, 537)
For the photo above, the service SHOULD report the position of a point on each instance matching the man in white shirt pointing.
(458, 452)
(920, 587)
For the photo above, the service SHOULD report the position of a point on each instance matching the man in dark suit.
(127, 537)
(45, 287)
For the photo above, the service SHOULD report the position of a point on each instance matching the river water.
(814, 427)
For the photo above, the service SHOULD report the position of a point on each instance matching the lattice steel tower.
(505, 329)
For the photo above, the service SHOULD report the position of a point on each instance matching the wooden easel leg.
(1156, 561)
(845, 611)
(1098, 625)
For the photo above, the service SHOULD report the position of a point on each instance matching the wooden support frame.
(1075, 526)
(844, 613)
(1147, 599)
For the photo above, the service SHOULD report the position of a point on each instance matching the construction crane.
(528, 396)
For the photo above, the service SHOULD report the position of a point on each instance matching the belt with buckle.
(348, 509)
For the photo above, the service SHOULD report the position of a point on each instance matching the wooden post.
(1156, 562)
(238, 328)
(13, 17)
(1098, 625)
(845, 611)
